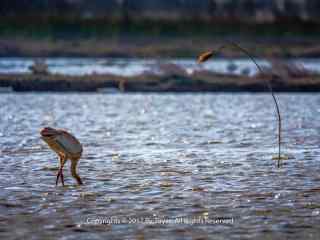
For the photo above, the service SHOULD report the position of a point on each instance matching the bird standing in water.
(67, 147)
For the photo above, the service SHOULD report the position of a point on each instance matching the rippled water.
(161, 157)
(133, 67)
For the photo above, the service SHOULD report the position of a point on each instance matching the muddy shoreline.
(197, 82)
(158, 47)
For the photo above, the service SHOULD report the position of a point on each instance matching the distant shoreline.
(152, 47)
(198, 82)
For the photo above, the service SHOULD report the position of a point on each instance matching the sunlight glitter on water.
(159, 156)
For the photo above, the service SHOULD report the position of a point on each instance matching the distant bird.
(39, 67)
(67, 147)
(205, 56)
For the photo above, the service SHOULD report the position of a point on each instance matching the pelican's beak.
(205, 56)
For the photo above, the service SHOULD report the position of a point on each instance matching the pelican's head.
(49, 133)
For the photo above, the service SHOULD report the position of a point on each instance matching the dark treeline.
(260, 11)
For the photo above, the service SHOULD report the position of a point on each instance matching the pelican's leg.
(60, 172)
(58, 175)
(64, 159)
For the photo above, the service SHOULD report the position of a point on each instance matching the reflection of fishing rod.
(205, 56)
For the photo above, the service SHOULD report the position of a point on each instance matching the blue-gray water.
(152, 157)
(133, 67)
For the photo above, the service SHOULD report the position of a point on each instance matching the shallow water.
(138, 66)
(150, 158)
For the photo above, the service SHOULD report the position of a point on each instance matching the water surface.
(170, 156)
(137, 66)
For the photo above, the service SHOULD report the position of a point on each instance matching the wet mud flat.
(199, 81)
